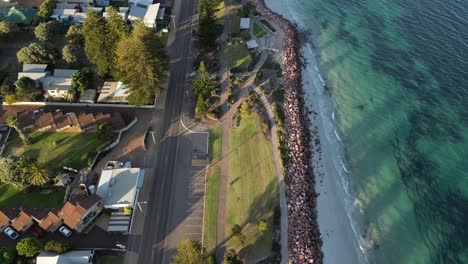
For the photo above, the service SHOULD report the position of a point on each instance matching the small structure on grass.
(252, 45)
(113, 92)
(88, 96)
(245, 23)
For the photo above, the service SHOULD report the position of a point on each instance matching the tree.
(13, 122)
(7, 89)
(245, 109)
(7, 255)
(262, 225)
(97, 46)
(9, 172)
(38, 175)
(25, 87)
(190, 252)
(237, 231)
(208, 32)
(142, 64)
(46, 31)
(231, 257)
(46, 9)
(117, 30)
(29, 247)
(201, 108)
(81, 79)
(104, 132)
(74, 54)
(38, 53)
(7, 28)
(75, 34)
(203, 84)
(70, 95)
(56, 246)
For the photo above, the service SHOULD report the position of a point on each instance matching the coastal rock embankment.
(304, 242)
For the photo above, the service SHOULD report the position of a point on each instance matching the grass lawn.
(12, 196)
(211, 208)
(235, 24)
(23, 36)
(70, 149)
(252, 189)
(258, 31)
(238, 56)
(215, 144)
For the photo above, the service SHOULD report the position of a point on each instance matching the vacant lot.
(252, 189)
(12, 196)
(238, 56)
(57, 150)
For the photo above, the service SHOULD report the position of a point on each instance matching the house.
(78, 213)
(71, 257)
(7, 214)
(252, 45)
(113, 92)
(88, 96)
(35, 72)
(123, 15)
(51, 222)
(22, 222)
(17, 14)
(143, 3)
(119, 186)
(151, 16)
(136, 12)
(56, 86)
(244, 23)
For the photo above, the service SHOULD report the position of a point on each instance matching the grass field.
(252, 188)
(238, 56)
(70, 149)
(215, 144)
(211, 207)
(258, 31)
(12, 196)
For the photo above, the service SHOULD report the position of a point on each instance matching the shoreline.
(304, 239)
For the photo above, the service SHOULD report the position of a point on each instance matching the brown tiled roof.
(51, 219)
(102, 118)
(44, 120)
(73, 119)
(90, 201)
(25, 119)
(3, 218)
(71, 214)
(86, 120)
(19, 222)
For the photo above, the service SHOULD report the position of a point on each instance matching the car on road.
(36, 231)
(11, 233)
(65, 231)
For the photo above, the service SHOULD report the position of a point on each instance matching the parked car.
(65, 231)
(36, 231)
(11, 233)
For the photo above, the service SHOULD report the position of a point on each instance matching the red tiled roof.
(51, 219)
(20, 221)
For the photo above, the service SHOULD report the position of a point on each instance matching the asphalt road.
(151, 220)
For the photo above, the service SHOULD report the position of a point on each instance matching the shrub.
(128, 210)
(262, 225)
(11, 99)
(56, 246)
(29, 247)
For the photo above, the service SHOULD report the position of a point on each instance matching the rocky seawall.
(304, 242)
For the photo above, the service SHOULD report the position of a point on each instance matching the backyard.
(212, 187)
(57, 150)
(9, 195)
(252, 189)
(238, 56)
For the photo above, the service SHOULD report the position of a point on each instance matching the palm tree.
(38, 174)
(12, 121)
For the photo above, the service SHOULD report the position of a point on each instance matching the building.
(122, 14)
(119, 186)
(71, 257)
(79, 213)
(22, 222)
(136, 12)
(51, 222)
(7, 214)
(143, 3)
(35, 72)
(151, 16)
(17, 14)
(244, 23)
(252, 45)
(88, 96)
(113, 92)
(58, 84)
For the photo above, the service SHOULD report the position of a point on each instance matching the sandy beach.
(340, 244)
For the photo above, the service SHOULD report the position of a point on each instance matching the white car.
(11, 233)
(65, 231)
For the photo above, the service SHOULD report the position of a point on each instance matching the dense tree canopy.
(25, 88)
(38, 53)
(75, 34)
(190, 252)
(9, 172)
(142, 64)
(7, 28)
(46, 9)
(46, 31)
(74, 54)
(231, 257)
(203, 84)
(97, 46)
(7, 255)
(208, 30)
(29, 247)
(81, 80)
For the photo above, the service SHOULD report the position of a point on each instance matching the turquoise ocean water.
(397, 74)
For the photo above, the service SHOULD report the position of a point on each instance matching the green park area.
(212, 189)
(238, 56)
(9, 195)
(252, 190)
(57, 150)
(258, 31)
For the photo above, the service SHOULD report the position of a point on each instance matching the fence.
(113, 144)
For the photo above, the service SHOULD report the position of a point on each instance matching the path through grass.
(252, 189)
